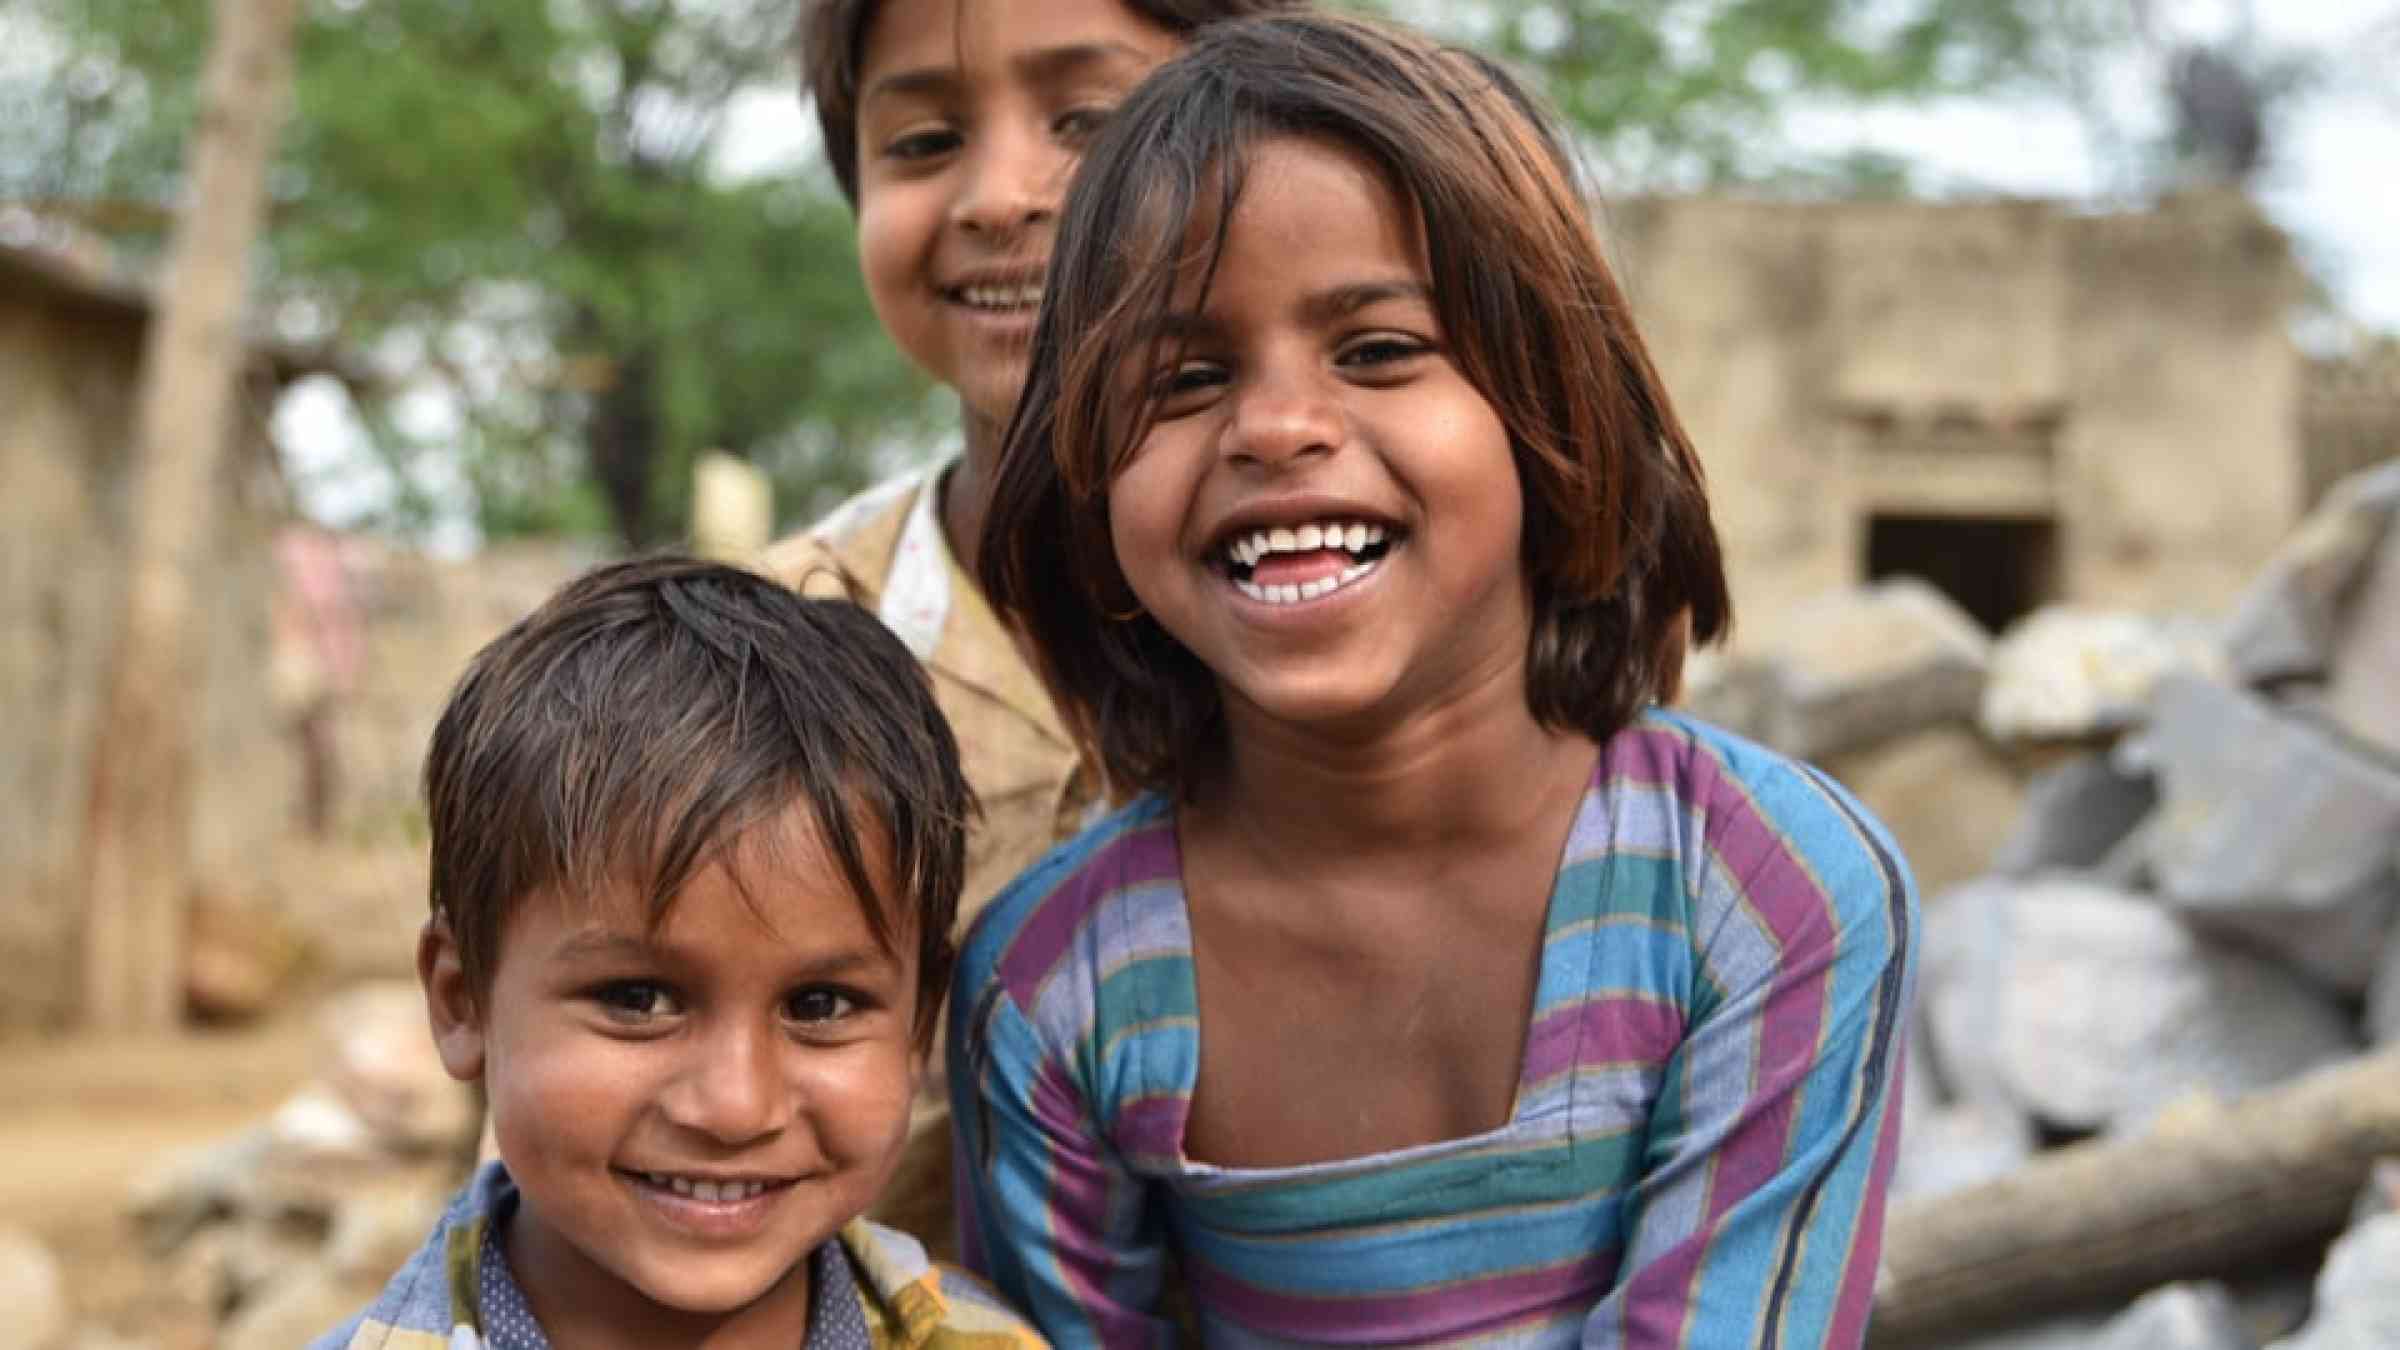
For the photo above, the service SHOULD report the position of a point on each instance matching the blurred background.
(2044, 355)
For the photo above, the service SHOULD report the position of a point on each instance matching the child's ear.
(450, 1002)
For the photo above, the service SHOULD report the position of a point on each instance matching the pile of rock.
(275, 1235)
(2194, 910)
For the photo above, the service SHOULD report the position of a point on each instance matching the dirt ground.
(85, 1116)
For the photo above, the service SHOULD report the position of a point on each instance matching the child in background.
(696, 854)
(1441, 988)
(952, 127)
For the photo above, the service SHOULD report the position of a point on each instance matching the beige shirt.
(1035, 787)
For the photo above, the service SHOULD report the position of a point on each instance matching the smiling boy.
(696, 849)
(953, 126)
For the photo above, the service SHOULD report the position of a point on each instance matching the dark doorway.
(1997, 570)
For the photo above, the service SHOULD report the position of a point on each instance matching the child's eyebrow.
(609, 945)
(1045, 65)
(1340, 302)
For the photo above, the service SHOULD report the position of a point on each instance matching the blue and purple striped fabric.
(1705, 1121)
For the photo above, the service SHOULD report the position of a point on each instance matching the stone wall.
(2350, 413)
(2124, 384)
(67, 369)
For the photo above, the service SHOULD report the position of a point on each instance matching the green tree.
(512, 201)
(1680, 94)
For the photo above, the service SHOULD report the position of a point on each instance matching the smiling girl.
(1441, 987)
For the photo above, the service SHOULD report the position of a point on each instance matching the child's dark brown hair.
(646, 717)
(1618, 547)
(833, 35)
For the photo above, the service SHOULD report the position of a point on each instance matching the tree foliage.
(1688, 93)
(513, 200)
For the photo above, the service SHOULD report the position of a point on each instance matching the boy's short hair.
(1618, 548)
(631, 729)
(833, 36)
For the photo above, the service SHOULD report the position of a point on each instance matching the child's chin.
(720, 1284)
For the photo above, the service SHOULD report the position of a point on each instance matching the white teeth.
(1353, 535)
(707, 1192)
(1001, 297)
(1309, 590)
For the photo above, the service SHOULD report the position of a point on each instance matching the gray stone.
(2339, 945)
(1855, 668)
(2065, 673)
(2358, 1296)
(2381, 1194)
(2290, 620)
(1960, 980)
(2362, 691)
(182, 1192)
(33, 1292)
(1729, 691)
(2383, 996)
(2191, 1316)
(1949, 1148)
(303, 1303)
(380, 1059)
(1948, 798)
(2257, 806)
(2096, 1008)
(2273, 825)
(2075, 814)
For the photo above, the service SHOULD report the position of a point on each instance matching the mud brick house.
(2019, 402)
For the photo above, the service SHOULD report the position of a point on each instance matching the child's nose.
(1277, 419)
(1013, 181)
(733, 1088)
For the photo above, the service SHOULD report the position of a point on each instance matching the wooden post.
(137, 822)
(733, 508)
(2212, 1189)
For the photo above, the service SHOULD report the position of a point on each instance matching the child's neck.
(1473, 772)
(967, 490)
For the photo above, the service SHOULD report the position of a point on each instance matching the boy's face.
(688, 1112)
(971, 116)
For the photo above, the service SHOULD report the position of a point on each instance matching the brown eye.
(1077, 124)
(632, 1000)
(922, 145)
(816, 1006)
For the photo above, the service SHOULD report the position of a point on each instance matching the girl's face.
(1325, 511)
(971, 115)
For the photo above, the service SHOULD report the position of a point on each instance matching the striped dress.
(1705, 1120)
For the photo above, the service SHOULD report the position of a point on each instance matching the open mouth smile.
(1286, 565)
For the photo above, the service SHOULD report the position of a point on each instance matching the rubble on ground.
(278, 1233)
(2161, 867)
(33, 1291)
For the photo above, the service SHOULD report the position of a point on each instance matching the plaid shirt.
(456, 1293)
